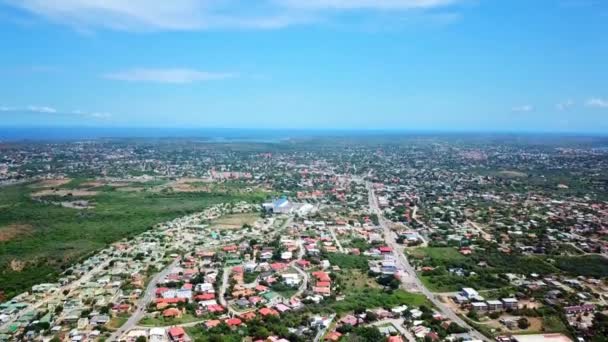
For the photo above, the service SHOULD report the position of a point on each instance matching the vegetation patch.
(62, 236)
(370, 298)
(348, 261)
(588, 265)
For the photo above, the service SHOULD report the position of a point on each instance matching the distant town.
(378, 238)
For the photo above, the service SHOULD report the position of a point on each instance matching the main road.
(140, 306)
(405, 264)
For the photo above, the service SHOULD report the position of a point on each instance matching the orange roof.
(321, 276)
(177, 331)
(323, 284)
(215, 308)
(172, 312)
(333, 336)
(170, 300)
(268, 311)
(204, 296)
(212, 323)
(233, 322)
(248, 315)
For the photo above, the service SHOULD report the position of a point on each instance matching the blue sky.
(463, 65)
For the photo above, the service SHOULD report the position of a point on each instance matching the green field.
(370, 298)
(439, 254)
(38, 240)
(161, 321)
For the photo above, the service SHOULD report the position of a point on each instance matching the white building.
(280, 206)
(158, 335)
(291, 279)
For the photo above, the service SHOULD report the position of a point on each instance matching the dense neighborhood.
(374, 241)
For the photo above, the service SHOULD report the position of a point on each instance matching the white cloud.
(46, 110)
(366, 4)
(565, 105)
(523, 108)
(41, 109)
(597, 102)
(172, 75)
(30, 108)
(181, 15)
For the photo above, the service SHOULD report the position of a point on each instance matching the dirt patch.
(93, 184)
(52, 183)
(129, 189)
(118, 184)
(7, 233)
(512, 174)
(185, 185)
(536, 325)
(77, 205)
(235, 221)
(17, 265)
(64, 193)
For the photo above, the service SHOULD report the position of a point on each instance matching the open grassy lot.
(438, 253)
(356, 280)
(41, 239)
(363, 292)
(235, 221)
(161, 321)
(442, 259)
(117, 322)
(376, 298)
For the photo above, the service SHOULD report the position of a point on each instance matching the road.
(295, 266)
(333, 235)
(321, 332)
(142, 303)
(405, 264)
(222, 295)
(486, 236)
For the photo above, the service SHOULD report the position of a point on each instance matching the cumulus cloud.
(597, 102)
(523, 108)
(46, 110)
(171, 75)
(176, 15)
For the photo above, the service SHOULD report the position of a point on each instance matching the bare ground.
(65, 192)
(52, 183)
(12, 231)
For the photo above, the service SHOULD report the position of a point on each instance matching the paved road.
(404, 263)
(222, 295)
(142, 303)
(321, 332)
(304, 274)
